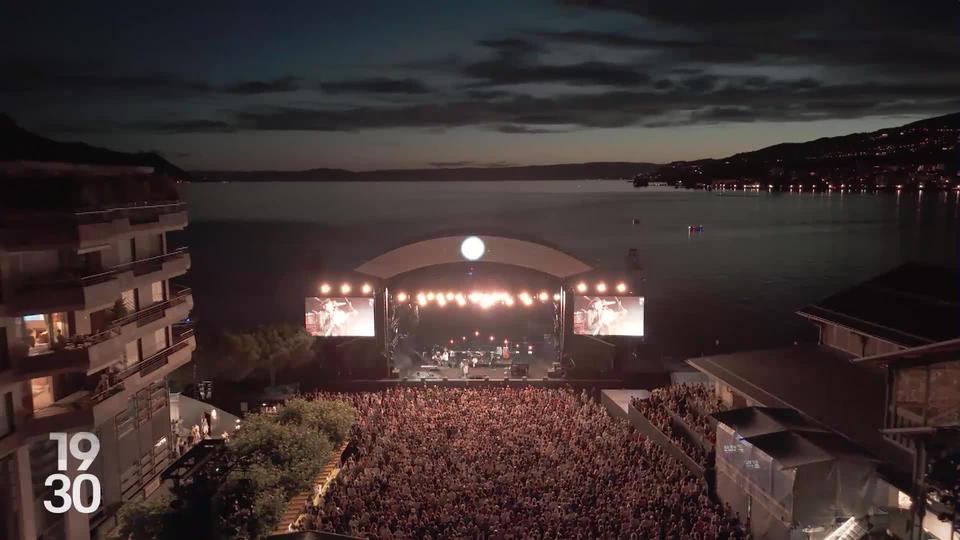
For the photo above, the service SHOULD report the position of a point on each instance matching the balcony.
(90, 229)
(108, 397)
(92, 353)
(72, 291)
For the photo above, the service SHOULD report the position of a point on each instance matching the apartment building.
(90, 327)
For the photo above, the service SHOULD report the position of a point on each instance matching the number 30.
(73, 498)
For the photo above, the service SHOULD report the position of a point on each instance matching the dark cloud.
(185, 126)
(739, 100)
(376, 86)
(888, 37)
(512, 46)
(53, 76)
(451, 164)
(511, 128)
(283, 84)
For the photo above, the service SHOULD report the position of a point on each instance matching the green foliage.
(119, 310)
(268, 348)
(280, 455)
(333, 418)
(144, 520)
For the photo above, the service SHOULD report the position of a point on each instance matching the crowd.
(692, 403)
(508, 463)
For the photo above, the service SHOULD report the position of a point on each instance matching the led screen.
(608, 315)
(339, 316)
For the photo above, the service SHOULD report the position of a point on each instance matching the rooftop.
(786, 436)
(819, 382)
(911, 305)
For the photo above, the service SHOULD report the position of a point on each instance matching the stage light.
(451, 342)
(472, 248)
(401, 297)
(601, 287)
(325, 288)
(422, 299)
(345, 288)
(476, 333)
(492, 338)
(461, 301)
(464, 338)
(441, 301)
(430, 296)
(365, 288)
(621, 287)
(556, 297)
(509, 301)
(474, 297)
(581, 287)
(527, 300)
(449, 297)
(544, 296)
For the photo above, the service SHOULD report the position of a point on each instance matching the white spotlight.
(345, 288)
(621, 287)
(472, 248)
(401, 297)
(365, 288)
(325, 288)
(601, 287)
(581, 287)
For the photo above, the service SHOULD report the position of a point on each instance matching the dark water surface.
(258, 248)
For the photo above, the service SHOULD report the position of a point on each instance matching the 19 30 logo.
(70, 491)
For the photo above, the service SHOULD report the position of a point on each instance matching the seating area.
(691, 403)
(507, 463)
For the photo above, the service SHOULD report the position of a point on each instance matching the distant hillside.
(18, 144)
(572, 171)
(931, 142)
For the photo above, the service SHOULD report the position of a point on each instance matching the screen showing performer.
(608, 315)
(339, 316)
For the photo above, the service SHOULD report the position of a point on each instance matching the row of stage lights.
(346, 288)
(600, 288)
(483, 299)
(487, 299)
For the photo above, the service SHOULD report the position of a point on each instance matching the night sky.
(390, 84)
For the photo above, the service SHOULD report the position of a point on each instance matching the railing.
(95, 215)
(64, 278)
(144, 367)
(149, 264)
(153, 312)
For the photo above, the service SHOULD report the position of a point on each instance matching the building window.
(6, 415)
(42, 388)
(4, 350)
(40, 333)
(131, 353)
(156, 291)
(160, 338)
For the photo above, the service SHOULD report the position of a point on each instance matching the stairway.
(294, 507)
(852, 529)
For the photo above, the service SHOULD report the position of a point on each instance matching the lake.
(258, 248)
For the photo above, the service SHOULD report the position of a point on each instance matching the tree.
(268, 348)
(144, 520)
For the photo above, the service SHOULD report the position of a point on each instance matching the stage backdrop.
(608, 315)
(340, 316)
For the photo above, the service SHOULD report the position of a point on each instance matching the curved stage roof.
(499, 249)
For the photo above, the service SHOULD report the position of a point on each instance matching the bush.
(144, 520)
